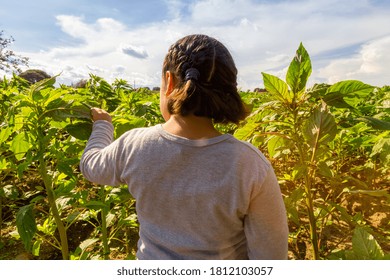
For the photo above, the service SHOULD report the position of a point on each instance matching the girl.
(200, 194)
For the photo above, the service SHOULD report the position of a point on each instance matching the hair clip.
(192, 74)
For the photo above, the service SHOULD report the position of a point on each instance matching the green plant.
(364, 247)
(35, 138)
(43, 133)
(298, 126)
(329, 145)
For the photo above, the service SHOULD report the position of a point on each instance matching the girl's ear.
(170, 82)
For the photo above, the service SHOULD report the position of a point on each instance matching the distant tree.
(34, 75)
(259, 90)
(80, 84)
(9, 61)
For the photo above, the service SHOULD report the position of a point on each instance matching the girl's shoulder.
(140, 133)
(249, 151)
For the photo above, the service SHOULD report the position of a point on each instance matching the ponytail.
(206, 80)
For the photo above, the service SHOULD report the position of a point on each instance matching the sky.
(346, 39)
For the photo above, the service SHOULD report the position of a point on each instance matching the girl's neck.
(191, 127)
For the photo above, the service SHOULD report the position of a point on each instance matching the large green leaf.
(292, 203)
(276, 87)
(3, 164)
(61, 105)
(97, 205)
(65, 165)
(88, 242)
(375, 193)
(20, 145)
(36, 247)
(365, 246)
(125, 124)
(381, 149)
(351, 91)
(57, 103)
(274, 144)
(42, 84)
(5, 132)
(54, 95)
(59, 114)
(25, 223)
(81, 112)
(246, 131)
(105, 87)
(299, 70)
(320, 127)
(318, 90)
(336, 99)
(376, 123)
(80, 130)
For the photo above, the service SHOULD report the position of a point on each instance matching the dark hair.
(205, 80)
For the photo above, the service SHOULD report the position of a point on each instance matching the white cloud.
(94, 69)
(77, 28)
(376, 57)
(175, 9)
(119, 68)
(217, 12)
(97, 52)
(262, 37)
(138, 52)
(370, 65)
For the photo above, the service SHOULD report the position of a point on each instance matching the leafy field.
(329, 145)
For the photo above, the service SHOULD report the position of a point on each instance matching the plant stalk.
(48, 182)
(307, 189)
(106, 250)
(310, 207)
(1, 218)
(312, 219)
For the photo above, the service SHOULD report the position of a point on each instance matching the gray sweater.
(196, 199)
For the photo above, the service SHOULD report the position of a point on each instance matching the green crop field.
(329, 145)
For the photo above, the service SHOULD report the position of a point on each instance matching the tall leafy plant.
(297, 125)
(36, 122)
(309, 129)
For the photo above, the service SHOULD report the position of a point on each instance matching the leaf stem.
(53, 206)
(106, 250)
(307, 188)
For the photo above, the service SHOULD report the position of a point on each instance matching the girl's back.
(200, 194)
(195, 198)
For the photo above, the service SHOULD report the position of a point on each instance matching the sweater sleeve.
(98, 163)
(265, 225)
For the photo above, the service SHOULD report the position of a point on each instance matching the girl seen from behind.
(200, 194)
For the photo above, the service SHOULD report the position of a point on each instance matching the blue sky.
(346, 39)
